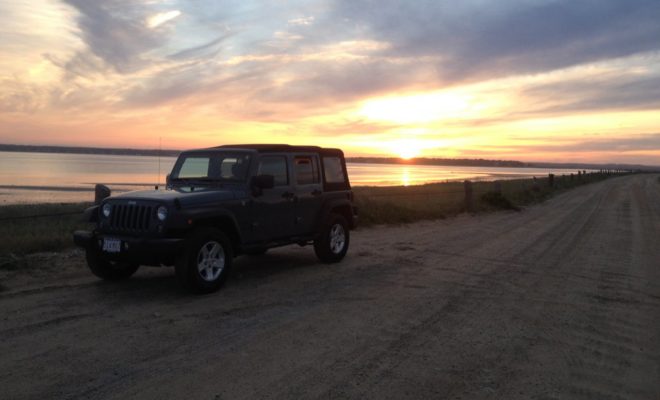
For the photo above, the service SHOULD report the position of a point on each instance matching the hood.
(184, 195)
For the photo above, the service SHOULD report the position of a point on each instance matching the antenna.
(160, 147)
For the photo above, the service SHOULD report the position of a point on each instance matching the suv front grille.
(131, 218)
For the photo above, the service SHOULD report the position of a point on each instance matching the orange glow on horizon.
(418, 108)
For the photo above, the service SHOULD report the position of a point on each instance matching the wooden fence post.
(551, 180)
(100, 193)
(469, 202)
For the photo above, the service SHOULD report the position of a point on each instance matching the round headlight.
(107, 209)
(161, 213)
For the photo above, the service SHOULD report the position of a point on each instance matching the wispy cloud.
(114, 31)
(158, 19)
(304, 21)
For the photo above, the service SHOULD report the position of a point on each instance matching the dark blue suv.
(221, 202)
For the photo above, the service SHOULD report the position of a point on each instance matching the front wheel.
(206, 261)
(332, 243)
(106, 269)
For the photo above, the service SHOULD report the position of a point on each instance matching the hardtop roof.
(272, 148)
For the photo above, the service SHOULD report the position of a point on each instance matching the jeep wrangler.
(221, 202)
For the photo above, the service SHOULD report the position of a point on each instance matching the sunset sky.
(533, 80)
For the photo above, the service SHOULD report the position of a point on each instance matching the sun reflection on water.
(405, 176)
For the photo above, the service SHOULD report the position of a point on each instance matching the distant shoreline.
(174, 153)
(462, 162)
(87, 150)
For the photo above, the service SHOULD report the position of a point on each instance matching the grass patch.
(497, 201)
(30, 235)
(400, 204)
(403, 204)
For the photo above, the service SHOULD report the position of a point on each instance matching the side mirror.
(101, 192)
(263, 181)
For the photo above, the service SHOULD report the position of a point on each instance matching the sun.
(408, 153)
(406, 149)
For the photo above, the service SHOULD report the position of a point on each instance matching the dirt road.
(561, 300)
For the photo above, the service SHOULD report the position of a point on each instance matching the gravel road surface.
(559, 301)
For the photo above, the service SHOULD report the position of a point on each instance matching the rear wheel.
(106, 269)
(332, 243)
(206, 261)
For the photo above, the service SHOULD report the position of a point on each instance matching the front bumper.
(144, 251)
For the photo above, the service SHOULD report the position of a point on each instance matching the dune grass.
(377, 205)
(393, 205)
(20, 235)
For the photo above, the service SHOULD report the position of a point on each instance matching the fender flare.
(198, 216)
(334, 204)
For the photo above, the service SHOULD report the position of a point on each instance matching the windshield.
(211, 167)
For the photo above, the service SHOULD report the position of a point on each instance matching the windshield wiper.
(201, 181)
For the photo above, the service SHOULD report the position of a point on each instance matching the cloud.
(629, 149)
(205, 50)
(21, 97)
(632, 143)
(304, 60)
(625, 93)
(158, 19)
(478, 40)
(169, 85)
(322, 82)
(304, 21)
(615, 144)
(115, 32)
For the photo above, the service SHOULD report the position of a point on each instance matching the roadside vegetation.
(403, 204)
(20, 234)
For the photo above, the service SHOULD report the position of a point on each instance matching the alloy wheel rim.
(337, 238)
(210, 261)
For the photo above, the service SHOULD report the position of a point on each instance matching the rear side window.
(307, 170)
(334, 173)
(276, 166)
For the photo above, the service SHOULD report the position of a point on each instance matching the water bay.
(57, 177)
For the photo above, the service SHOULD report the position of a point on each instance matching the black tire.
(332, 243)
(206, 261)
(106, 269)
